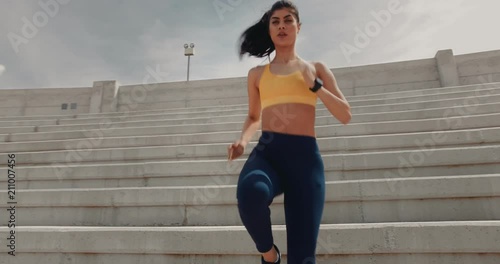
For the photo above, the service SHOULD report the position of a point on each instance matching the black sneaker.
(277, 262)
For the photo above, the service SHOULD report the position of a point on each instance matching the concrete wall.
(477, 68)
(46, 101)
(388, 77)
(445, 69)
(380, 78)
(182, 94)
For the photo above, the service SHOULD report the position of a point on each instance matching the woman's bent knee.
(254, 188)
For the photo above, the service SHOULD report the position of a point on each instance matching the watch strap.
(317, 85)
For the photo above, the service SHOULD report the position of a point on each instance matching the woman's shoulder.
(319, 67)
(312, 63)
(256, 72)
(257, 69)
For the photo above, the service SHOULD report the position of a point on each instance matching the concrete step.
(237, 92)
(457, 198)
(327, 145)
(434, 242)
(489, 89)
(387, 99)
(469, 102)
(199, 145)
(20, 123)
(325, 118)
(243, 109)
(487, 102)
(462, 121)
(354, 102)
(240, 115)
(121, 142)
(477, 90)
(428, 91)
(376, 165)
(221, 115)
(185, 96)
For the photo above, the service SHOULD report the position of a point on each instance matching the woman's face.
(283, 28)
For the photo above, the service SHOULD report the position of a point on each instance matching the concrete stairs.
(414, 178)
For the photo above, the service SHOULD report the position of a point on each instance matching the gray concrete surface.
(447, 198)
(414, 178)
(472, 239)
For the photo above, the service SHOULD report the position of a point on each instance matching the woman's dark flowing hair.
(256, 40)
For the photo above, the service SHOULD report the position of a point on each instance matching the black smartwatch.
(317, 85)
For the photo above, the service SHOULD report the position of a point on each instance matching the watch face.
(318, 81)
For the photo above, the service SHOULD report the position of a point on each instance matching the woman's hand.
(309, 74)
(236, 149)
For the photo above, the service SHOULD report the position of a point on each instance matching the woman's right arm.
(252, 121)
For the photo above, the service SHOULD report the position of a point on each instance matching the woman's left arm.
(330, 94)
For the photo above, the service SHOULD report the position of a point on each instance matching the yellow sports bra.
(281, 89)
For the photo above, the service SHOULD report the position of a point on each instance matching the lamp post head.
(189, 49)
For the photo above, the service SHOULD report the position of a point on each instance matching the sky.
(72, 43)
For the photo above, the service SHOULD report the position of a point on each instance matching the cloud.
(2, 69)
(415, 33)
(89, 42)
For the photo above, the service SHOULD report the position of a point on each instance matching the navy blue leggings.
(290, 165)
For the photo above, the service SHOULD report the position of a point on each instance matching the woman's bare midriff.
(289, 118)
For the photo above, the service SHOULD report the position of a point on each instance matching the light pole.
(188, 51)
